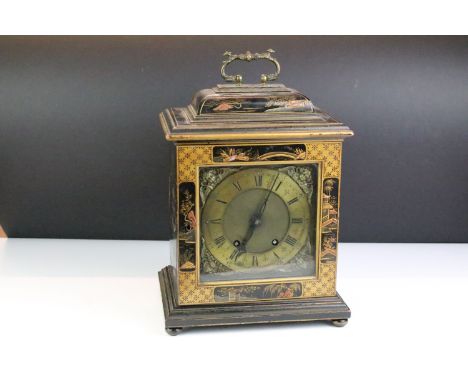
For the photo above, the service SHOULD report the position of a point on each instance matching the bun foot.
(340, 323)
(173, 331)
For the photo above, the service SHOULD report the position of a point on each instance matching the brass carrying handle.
(248, 56)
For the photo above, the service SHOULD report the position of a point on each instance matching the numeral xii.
(258, 180)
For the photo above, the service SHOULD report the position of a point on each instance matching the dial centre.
(242, 221)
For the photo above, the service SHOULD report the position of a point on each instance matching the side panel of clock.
(190, 157)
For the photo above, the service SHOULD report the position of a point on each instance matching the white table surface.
(90, 310)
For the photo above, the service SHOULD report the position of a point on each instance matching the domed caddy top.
(249, 111)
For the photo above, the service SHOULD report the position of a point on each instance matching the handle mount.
(248, 56)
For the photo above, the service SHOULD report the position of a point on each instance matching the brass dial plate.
(255, 222)
(232, 212)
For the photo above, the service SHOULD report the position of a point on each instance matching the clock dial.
(255, 218)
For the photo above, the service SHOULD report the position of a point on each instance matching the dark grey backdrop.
(82, 154)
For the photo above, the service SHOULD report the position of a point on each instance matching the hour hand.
(238, 251)
(253, 222)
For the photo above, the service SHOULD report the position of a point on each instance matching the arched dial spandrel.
(256, 217)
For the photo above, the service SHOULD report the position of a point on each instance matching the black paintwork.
(179, 317)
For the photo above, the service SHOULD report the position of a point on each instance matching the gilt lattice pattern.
(329, 153)
(190, 293)
(188, 157)
(324, 285)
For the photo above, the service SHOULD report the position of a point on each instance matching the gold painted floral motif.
(282, 105)
(252, 292)
(232, 155)
(329, 220)
(187, 210)
(282, 290)
(186, 256)
(246, 154)
(329, 249)
(225, 106)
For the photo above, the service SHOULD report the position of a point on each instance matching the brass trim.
(248, 56)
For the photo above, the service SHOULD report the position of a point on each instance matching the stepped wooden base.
(179, 317)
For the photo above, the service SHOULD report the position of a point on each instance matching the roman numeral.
(237, 185)
(235, 254)
(254, 261)
(219, 241)
(277, 257)
(293, 200)
(215, 221)
(297, 220)
(278, 186)
(221, 201)
(290, 240)
(258, 180)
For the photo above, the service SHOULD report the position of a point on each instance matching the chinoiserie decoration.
(255, 199)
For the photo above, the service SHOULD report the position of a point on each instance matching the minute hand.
(255, 218)
(262, 207)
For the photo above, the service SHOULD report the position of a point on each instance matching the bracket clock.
(255, 206)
